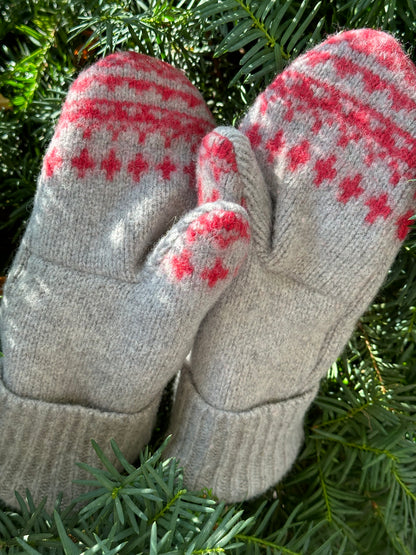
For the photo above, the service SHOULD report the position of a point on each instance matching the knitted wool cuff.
(237, 454)
(40, 443)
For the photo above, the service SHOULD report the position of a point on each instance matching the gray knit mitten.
(100, 306)
(327, 185)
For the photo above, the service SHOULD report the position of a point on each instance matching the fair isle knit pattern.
(106, 292)
(328, 185)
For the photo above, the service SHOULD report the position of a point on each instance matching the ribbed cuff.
(238, 455)
(40, 443)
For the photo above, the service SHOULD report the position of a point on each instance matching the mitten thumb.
(228, 169)
(205, 249)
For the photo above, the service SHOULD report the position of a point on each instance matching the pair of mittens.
(109, 286)
(327, 156)
(108, 290)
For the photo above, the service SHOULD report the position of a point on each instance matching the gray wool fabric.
(326, 154)
(102, 302)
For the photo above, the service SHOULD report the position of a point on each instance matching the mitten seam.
(254, 407)
(72, 269)
(67, 406)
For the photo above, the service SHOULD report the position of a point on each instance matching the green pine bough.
(353, 487)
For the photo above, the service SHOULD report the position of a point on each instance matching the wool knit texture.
(327, 154)
(102, 304)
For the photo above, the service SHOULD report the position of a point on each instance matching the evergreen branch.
(169, 505)
(27, 73)
(260, 31)
(412, 322)
(348, 415)
(395, 539)
(323, 485)
(257, 23)
(366, 448)
(209, 550)
(161, 29)
(264, 543)
(407, 491)
(373, 360)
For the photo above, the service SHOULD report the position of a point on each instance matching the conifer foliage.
(353, 487)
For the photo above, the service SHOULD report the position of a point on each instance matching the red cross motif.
(224, 150)
(325, 169)
(138, 167)
(111, 81)
(111, 165)
(263, 103)
(395, 175)
(378, 208)
(275, 145)
(350, 187)
(299, 155)
(52, 162)
(253, 135)
(181, 264)
(166, 167)
(403, 224)
(222, 157)
(212, 275)
(83, 162)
